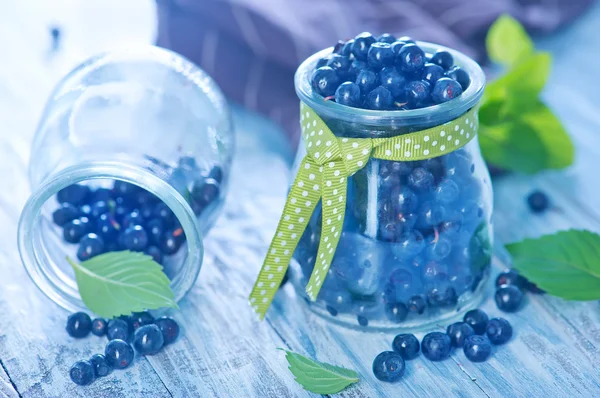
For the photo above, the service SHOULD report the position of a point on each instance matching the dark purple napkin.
(253, 47)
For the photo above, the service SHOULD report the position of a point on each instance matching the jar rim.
(469, 98)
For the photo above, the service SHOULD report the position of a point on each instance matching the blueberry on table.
(74, 230)
(169, 329)
(396, 312)
(477, 319)
(107, 228)
(407, 345)
(133, 218)
(411, 58)
(367, 80)
(499, 331)
(389, 366)
(155, 253)
(139, 319)
(538, 201)
(325, 81)
(75, 194)
(386, 38)
(135, 238)
(119, 354)
(390, 78)
(458, 332)
(348, 94)
(65, 213)
(436, 346)
(508, 298)
(82, 373)
(445, 90)
(461, 76)
(443, 59)
(477, 348)
(380, 54)
(90, 246)
(117, 329)
(100, 365)
(417, 304)
(379, 99)
(99, 326)
(418, 93)
(511, 277)
(432, 73)
(361, 45)
(79, 325)
(148, 340)
(362, 320)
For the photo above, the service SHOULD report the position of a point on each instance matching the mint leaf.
(565, 264)
(319, 377)
(507, 41)
(119, 283)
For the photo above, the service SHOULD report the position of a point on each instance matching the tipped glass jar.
(133, 151)
(417, 239)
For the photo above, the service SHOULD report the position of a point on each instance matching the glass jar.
(119, 124)
(405, 259)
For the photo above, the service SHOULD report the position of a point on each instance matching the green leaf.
(119, 283)
(319, 377)
(565, 264)
(507, 41)
(528, 142)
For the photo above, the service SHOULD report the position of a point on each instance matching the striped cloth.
(253, 47)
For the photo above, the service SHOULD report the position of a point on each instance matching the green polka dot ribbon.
(330, 160)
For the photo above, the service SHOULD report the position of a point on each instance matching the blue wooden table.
(224, 350)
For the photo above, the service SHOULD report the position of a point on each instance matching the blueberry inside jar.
(416, 229)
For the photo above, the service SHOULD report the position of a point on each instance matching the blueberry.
(74, 230)
(447, 191)
(155, 230)
(135, 238)
(380, 55)
(101, 194)
(348, 94)
(99, 326)
(120, 208)
(445, 90)
(340, 64)
(85, 210)
(133, 218)
(171, 241)
(338, 47)
(107, 228)
(347, 48)
(65, 213)
(420, 179)
(325, 81)
(396, 312)
(323, 61)
(434, 271)
(431, 213)
(79, 325)
(409, 245)
(148, 340)
(508, 298)
(443, 59)
(538, 201)
(367, 80)
(362, 320)
(386, 38)
(408, 202)
(101, 368)
(169, 329)
(499, 331)
(411, 58)
(118, 353)
(139, 319)
(361, 45)
(458, 332)
(397, 46)
(390, 78)
(477, 319)
(438, 249)
(407, 345)
(155, 253)
(379, 99)
(436, 346)
(460, 76)
(432, 73)
(417, 304)
(477, 348)
(511, 277)
(124, 189)
(418, 93)
(98, 208)
(356, 67)
(82, 373)
(389, 366)
(117, 329)
(75, 194)
(407, 40)
(90, 246)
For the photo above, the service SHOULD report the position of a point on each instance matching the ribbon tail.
(299, 207)
(334, 205)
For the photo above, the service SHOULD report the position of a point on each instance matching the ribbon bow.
(322, 175)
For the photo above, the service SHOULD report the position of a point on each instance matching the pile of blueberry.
(475, 335)
(426, 245)
(148, 335)
(127, 217)
(386, 73)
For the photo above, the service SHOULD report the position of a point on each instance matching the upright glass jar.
(407, 258)
(146, 117)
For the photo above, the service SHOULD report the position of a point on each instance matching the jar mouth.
(469, 98)
(42, 268)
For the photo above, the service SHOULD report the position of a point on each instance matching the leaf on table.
(119, 283)
(507, 42)
(565, 264)
(319, 377)
(528, 142)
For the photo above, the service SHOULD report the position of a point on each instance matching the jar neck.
(38, 261)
